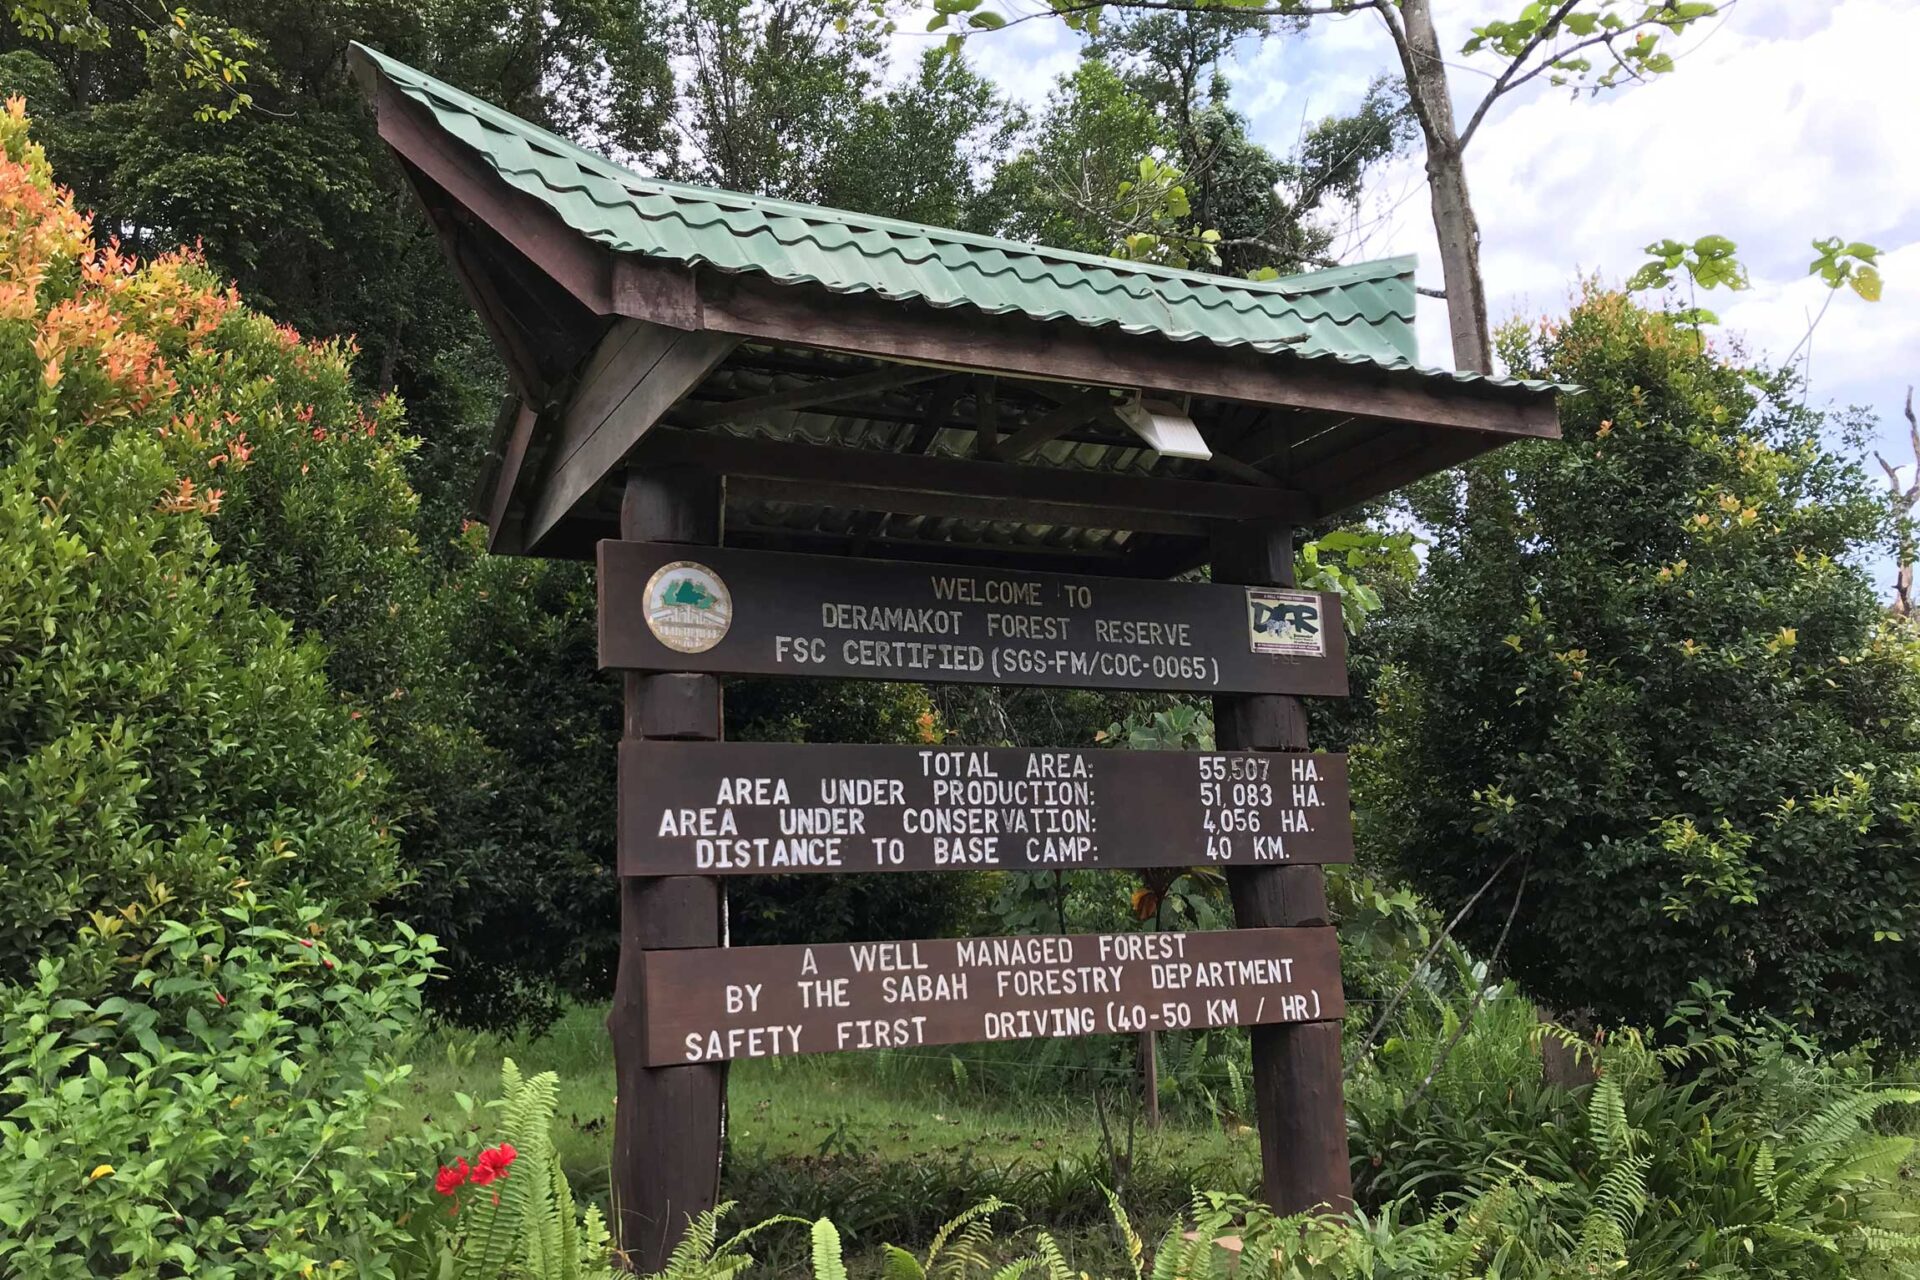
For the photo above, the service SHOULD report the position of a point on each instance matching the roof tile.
(1361, 313)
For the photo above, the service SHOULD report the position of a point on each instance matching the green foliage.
(1645, 661)
(1708, 263)
(161, 736)
(1735, 1148)
(1151, 210)
(523, 1222)
(219, 1114)
(1847, 263)
(1629, 32)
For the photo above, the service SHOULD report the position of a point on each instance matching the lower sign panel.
(759, 1002)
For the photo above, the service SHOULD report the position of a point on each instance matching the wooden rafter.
(991, 490)
(808, 396)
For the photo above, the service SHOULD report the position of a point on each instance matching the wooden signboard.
(755, 1002)
(748, 808)
(667, 607)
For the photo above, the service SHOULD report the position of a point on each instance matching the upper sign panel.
(666, 607)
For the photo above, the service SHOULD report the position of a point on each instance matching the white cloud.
(1785, 122)
(1788, 123)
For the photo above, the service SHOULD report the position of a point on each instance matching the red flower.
(492, 1163)
(217, 996)
(450, 1178)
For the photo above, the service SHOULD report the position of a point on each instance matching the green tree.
(1645, 668)
(292, 195)
(164, 738)
(1585, 44)
(1140, 153)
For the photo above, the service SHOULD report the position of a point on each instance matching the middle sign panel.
(755, 808)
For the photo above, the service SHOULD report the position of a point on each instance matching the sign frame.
(710, 1005)
(789, 614)
(772, 808)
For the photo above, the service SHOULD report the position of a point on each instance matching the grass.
(890, 1144)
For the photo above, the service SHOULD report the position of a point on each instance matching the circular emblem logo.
(688, 607)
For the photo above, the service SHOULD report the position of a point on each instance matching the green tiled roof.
(1355, 314)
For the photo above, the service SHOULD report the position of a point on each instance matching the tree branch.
(1507, 82)
(1547, 31)
(1339, 8)
(1480, 990)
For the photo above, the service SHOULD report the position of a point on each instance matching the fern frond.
(1129, 1238)
(828, 1264)
(1047, 1249)
(986, 1208)
(1607, 1125)
(1874, 1158)
(898, 1264)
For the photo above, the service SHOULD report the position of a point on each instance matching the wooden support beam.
(986, 417)
(1054, 423)
(500, 539)
(668, 1121)
(1355, 477)
(1002, 487)
(892, 500)
(636, 374)
(809, 396)
(1296, 1069)
(1020, 557)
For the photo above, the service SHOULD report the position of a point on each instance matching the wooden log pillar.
(669, 1122)
(1296, 1067)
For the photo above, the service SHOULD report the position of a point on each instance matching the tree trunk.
(1453, 222)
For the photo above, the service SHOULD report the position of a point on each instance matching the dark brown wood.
(752, 808)
(1404, 468)
(773, 614)
(759, 308)
(582, 267)
(501, 515)
(1058, 556)
(810, 395)
(892, 500)
(1296, 1070)
(757, 1002)
(668, 1121)
(998, 486)
(672, 705)
(1053, 424)
(674, 913)
(624, 395)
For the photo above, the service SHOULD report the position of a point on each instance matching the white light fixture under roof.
(1164, 428)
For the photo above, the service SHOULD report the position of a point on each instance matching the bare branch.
(1480, 991)
(1413, 975)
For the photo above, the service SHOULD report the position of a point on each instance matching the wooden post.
(669, 1122)
(1296, 1069)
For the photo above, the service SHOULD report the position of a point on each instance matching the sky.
(1784, 122)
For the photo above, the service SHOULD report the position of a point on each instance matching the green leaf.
(1866, 283)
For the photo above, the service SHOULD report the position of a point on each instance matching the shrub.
(1737, 1149)
(218, 1115)
(1646, 667)
(161, 737)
